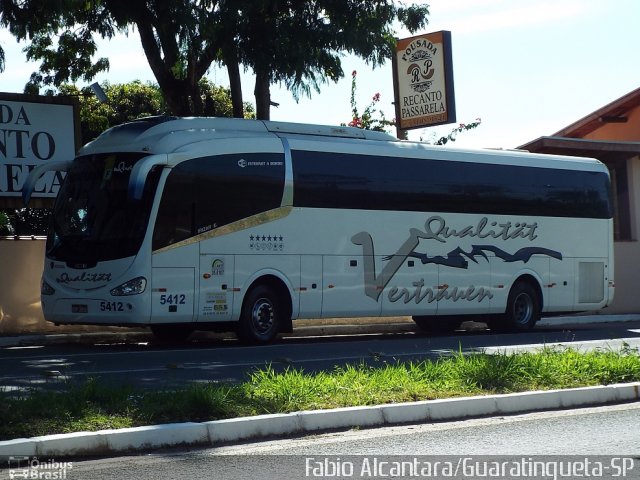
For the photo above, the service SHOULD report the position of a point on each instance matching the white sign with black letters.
(32, 133)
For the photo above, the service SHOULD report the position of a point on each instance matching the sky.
(526, 68)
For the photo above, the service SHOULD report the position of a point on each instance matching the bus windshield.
(93, 219)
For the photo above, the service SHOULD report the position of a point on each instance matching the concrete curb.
(130, 440)
(586, 319)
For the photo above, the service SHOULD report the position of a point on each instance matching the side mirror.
(36, 173)
(139, 174)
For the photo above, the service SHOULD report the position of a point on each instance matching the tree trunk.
(263, 96)
(177, 99)
(233, 69)
(197, 105)
(173, 90)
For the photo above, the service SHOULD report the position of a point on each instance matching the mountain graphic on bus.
(458, 258)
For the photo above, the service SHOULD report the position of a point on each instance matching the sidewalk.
(214, 433)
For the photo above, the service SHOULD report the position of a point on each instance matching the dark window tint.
(93, 218)
(334, 180)
(207, 193)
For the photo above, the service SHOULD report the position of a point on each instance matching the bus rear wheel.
(523, 310)
(262, 315)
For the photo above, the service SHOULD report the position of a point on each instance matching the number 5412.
(177, 299)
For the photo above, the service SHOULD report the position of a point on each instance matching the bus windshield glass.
(93, 219)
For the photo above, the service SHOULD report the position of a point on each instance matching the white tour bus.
(228, 224)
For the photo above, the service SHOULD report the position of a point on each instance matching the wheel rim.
(262, 316)
(523, 309)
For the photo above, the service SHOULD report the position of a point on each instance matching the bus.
(183, 224)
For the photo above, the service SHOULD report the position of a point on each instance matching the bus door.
(216, 287)
(172, 295)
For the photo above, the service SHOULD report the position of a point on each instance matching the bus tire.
(172, 333)
(523, 309)
(262, 315)
(434, 324)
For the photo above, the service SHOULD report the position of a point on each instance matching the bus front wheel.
(262, 315)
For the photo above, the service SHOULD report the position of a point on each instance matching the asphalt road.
(603, 434)
(145, 364)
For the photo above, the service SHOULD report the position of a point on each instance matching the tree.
(5, 224)
(129, 101)
(126, 102)
(24, 221)
(300, 43)
(297, 42)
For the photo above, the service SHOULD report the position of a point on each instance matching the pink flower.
(354, 73)
(376, 97)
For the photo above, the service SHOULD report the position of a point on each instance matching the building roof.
(614, 112)
(570, 140)
(603, 150)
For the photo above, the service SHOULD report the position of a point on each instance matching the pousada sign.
(35, 130)
(423, 81)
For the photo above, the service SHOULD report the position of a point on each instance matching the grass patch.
(92, 406)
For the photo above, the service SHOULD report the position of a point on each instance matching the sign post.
(423, 81)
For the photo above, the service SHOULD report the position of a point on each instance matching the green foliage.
(130, 101)
(73, 25)
(301, 43)
(24, 221)
(90, 406)
(198, 403)
(126, 102)
(298, 43)
(5, 224)
(94, 405)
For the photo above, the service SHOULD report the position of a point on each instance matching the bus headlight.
(46, 289)
(132, 287)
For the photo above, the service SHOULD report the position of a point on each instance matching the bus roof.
(143, 133)
(166, 134)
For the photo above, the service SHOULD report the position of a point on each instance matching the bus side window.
(209, 192)
(226, 192)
